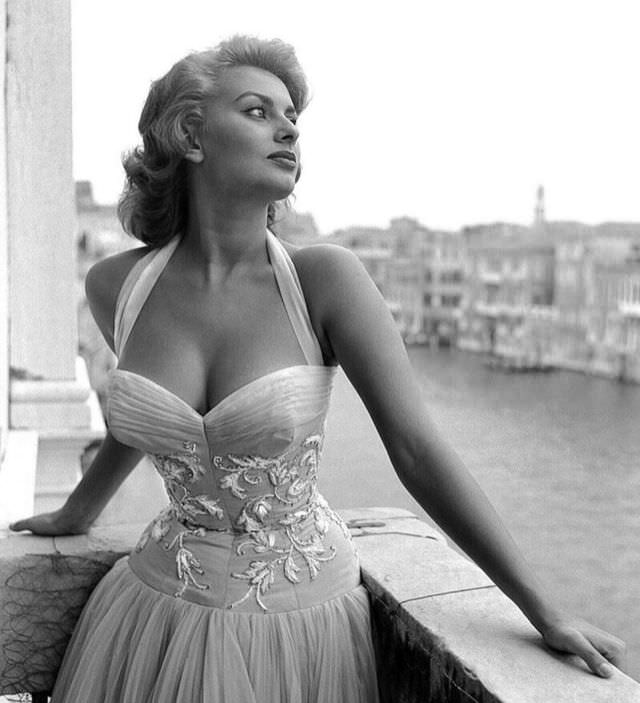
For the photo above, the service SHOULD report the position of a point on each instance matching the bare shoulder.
(105, 278)
(327, 270)
(321, 252)
(327, 274)
(102, 285)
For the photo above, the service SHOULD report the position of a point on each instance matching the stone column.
(49, 389)
(4, 251)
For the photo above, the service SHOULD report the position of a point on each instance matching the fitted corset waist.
(256, 516)
(247, 531)
(267, 569)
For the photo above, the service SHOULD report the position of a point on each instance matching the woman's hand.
(111, 465)
(55, 523)
(598, 648)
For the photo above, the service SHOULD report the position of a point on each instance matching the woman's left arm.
(362, 336)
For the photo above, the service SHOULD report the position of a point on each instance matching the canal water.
(558, 455)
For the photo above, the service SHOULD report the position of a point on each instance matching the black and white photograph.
(319, 352)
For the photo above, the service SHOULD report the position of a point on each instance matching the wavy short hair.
(153, 205)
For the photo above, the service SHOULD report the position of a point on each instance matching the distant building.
(509, 272)
(412, 248)
(443, 287)
(575, 294)
(614, 329)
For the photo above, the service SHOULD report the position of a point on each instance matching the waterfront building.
(614, 325)
(443, 286)
(412, 249)
(509, 273)
(580, 249)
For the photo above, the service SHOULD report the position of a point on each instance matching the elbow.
(421, 466)
(408, 460)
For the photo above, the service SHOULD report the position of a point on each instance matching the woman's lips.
(285, 159)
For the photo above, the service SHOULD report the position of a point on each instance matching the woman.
(246, 587)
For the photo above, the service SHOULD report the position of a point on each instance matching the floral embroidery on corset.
(183, 468)
(176, 470)
(290, 478)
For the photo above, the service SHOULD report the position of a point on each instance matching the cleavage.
(201, 346)
(203, 369)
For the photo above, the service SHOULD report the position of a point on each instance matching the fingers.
(48, 525)
(593, 658)
(610, 647)
(600, 650)
(20, 525)
(38, 524)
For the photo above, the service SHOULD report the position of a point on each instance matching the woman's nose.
(287, 132)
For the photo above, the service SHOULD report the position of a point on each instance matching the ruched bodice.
(270, 411)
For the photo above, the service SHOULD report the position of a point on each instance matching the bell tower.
(538, 213)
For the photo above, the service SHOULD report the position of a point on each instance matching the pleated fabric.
(137, 645)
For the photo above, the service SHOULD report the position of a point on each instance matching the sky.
(450, 111)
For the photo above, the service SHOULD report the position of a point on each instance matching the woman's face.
(249, 140)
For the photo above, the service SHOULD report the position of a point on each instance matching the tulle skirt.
(135, 644)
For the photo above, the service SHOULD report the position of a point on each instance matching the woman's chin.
(264, 190)
(281, 191)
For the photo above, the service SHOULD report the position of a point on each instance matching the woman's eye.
(256, 111)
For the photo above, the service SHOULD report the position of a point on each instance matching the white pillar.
(4, 252)
(49, 389)
(43, 336)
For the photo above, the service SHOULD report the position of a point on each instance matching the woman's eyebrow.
(265, 98)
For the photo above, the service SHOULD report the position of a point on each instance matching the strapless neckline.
(227, 398)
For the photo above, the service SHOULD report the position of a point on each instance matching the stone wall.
(443, 631)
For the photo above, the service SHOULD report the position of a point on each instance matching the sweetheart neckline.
(203, 417)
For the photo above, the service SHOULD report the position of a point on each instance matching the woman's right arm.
(114, 461)
(112, 464)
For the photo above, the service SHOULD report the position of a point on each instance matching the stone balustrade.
(443, 631)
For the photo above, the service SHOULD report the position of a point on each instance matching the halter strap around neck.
(135, 291)
(294, 301)
(145, 273)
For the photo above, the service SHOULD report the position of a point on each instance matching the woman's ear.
(194, 153)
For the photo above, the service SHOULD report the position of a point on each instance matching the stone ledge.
(443, 632)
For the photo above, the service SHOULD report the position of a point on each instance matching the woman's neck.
(221, 234)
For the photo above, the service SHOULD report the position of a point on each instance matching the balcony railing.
(442, 630)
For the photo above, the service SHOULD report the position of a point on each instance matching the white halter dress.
(246, 587)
